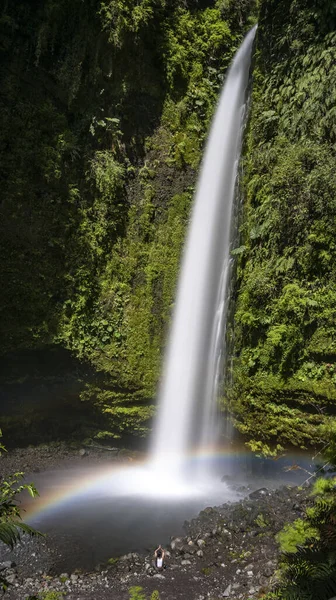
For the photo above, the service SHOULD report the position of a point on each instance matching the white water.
(187, 401)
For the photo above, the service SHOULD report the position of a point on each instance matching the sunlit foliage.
(284, 326)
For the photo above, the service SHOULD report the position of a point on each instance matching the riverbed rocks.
(228, 551)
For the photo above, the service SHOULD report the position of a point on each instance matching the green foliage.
(261, 522)
(11, 525)
(51, 595)
(308, 564)
(136, 593)
(284, 323)
(103, 113)
(295, 534)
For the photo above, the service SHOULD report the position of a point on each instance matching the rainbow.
(113, 480)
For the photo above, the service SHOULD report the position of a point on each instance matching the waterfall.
(188, 394)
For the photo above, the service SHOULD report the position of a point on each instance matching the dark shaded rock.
(261, 493)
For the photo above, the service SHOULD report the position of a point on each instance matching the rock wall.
(284, 335)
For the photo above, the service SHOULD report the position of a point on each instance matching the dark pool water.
(111, 511)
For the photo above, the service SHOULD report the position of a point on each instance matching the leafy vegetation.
(11, 525)
(137, 593)
(51, 595)
(103, 115)
(284, 323)
(308, 561)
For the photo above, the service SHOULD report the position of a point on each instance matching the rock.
(200, 553)
(227, 591)
(125, 558)
(250, 573)
(207, 511)
(74, 578)
(176, 544)
(185, 562)
(238, 571)
(7, 564)
(11, 578)
(200, 543)
(159, 576)
(82, 452)
(261, 493)
(64, 576)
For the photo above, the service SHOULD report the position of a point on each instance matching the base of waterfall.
(227, 551)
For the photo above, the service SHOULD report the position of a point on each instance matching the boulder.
(261, 493)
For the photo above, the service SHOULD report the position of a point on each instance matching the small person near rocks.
(159, 555)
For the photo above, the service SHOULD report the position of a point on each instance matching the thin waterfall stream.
(188, 395)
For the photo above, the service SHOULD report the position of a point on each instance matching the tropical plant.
(11, 525)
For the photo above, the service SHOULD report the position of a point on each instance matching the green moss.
(260, 521)
(104, 112)
(284, 325)
(206, 571)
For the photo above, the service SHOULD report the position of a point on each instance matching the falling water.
(192, 364)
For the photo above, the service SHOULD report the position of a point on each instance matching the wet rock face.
(229, 551)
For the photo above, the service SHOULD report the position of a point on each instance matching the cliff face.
(104, 109)
(284, 327)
